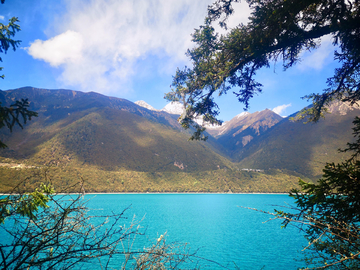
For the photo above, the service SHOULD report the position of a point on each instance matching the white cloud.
(64, 48)
(2, 17)
(318, 58)
(280, 109)
(103, 45)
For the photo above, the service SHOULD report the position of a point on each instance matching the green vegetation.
(84, 131)
(328, 212)
(25, 204)
(82, 138)
(10, 116)
(99, 180)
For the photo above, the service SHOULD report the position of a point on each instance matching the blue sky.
(131, 49)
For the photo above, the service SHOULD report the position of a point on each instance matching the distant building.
(252, 170)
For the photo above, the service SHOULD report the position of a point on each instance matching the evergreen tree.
(277, 30)
(329, 213)
(7, 32)
(10, 116)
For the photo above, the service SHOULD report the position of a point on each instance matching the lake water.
(224, 232)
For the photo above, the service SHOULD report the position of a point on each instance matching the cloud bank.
(104, 45)
(280, 109)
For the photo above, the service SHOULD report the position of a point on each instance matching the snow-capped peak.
(209, 126)
(242, 115)
(145, 105)
(174, 107)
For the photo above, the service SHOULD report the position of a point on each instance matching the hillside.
(301, 148)
(116, 145)
(59, 104)
(242, 129)
(106, 132)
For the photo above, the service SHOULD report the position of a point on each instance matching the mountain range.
(120, 146)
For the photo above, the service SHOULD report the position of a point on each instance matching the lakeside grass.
(97, 181)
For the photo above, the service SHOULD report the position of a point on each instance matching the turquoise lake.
(234, 237)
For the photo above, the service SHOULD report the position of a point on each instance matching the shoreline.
(164, 193)
(192, 193)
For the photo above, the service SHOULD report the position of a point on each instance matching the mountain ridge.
(239, 139)
(61, 109)
(140, 149)
(299, 147)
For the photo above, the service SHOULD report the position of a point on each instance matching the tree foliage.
(25, 205)
(57, 237)
(17, 114)
(10, 116)
(330, 212)
(7, 32)
(277, 30)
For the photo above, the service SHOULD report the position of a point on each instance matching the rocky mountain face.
(242, 129)
(234, 134)
(264, 140)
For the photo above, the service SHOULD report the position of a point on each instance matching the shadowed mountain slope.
(110, 133)
(59, 104)
(242, 129)
(301, 148)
